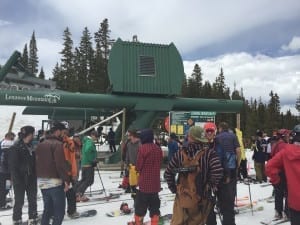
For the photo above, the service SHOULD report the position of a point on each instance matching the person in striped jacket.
(209, 174)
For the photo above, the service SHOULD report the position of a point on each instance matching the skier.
(23, 173)
(52, 172)
(88, 162)
(4, 169)
(111, 140)
(259, 157)
(148, 165)
(203, 175)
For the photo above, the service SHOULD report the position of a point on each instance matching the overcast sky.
(257, 42)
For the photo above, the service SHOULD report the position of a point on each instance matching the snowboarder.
(52, 173)
(23, 173)
(228, 149)
(196, 181)
(148, 165)
(70, 156)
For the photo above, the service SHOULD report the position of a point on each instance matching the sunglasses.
(210, 131)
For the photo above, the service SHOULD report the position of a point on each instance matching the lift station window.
(147, 66)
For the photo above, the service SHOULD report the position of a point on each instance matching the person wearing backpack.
(199, 173)
(228, 149)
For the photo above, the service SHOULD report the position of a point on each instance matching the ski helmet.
(209, 126)
(296, 133)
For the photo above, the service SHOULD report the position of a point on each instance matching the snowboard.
(104, 198)
(83, 214)
(118, 212)
(162, 220)
(275, 221)
(247, 210)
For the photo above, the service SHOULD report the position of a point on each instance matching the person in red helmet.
(210, 133)
(288, 160)
(280, 190)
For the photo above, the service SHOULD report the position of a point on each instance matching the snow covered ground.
(111, 181)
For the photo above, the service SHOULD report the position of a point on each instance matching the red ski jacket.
(287, 160)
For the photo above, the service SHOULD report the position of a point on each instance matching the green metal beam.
(79, 100)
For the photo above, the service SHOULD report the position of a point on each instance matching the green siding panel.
(124, 69)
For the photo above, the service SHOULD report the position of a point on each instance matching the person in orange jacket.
(70, 156)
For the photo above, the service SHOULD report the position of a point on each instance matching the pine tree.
(103, 46)
(24, 58)
(206, 90)
(42, 74)
(298, 104)
(184, 88)
(33, 57)
(57, 76)
(197, 78)
(67, 62)
(87, 69)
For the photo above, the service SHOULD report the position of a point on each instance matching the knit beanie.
(146, 136)
(197, 133)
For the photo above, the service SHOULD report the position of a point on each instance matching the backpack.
(186, 187)
(228, 160)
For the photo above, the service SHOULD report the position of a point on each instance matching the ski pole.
(101, 181)
(251, 203)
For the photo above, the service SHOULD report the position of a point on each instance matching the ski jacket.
(70, 155)
(277, 147)
(5, 145)
(21, 161)
(211, 169)
(132, 152)
(50, 159)
(259, 155)
(287, 160)
(148, 165)
(89, 152)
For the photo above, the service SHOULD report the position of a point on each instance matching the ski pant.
(87, 179)
(3, 192)
(71, 201)
(144, 201)
(280, 196)
(192, 216)
(260, 171)
(54, 205)
(211, 219)
(112, 146)
(226, 195)
(31, 191)
(243, 169)
(294, 216)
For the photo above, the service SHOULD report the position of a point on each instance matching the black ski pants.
(3, 192)
(71, 201)
(30, 187)
(87, 179)
(295, 216)
(226, 196)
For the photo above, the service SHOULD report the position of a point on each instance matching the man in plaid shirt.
(148, 165)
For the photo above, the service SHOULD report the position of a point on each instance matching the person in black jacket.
(22, 168)
(4, 170)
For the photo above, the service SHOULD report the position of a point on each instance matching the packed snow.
(111, 181)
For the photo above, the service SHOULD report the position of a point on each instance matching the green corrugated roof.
(129, 59)
(13, 59)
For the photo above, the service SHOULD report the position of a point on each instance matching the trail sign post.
(180, 122)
